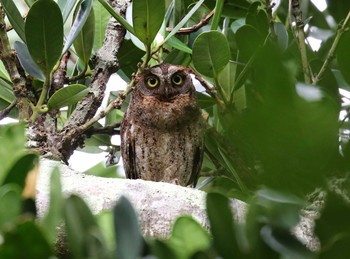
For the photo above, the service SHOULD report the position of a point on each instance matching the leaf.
(178, 44)
(14, 17)
(84, 41)
(208, 59)
(12, 141)
(67, 96)
(54, 215)
(227, 79)
(222, 226)
(117, 16)
(25, 241)
(282, 35)
(20, 169)
(5, 93)
(27, 62)
(85, 239)
(248, 39)
(163, 250)
(147, 16)
(127, 232)
(3, 72)
(128, 56)
(80, 19)
(343, 56)
(102, 17)
(66, 7)
(188, 237)
(183, 21)
(11, 204)
(44, 34)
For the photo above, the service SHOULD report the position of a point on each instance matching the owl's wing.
(128, 151)
(197, 165)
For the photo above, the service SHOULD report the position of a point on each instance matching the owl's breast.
(178, 113)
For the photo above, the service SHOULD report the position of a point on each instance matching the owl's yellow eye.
(177, 79)
(152, 81)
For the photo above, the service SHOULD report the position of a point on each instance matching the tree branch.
(195, 27)
(8, 109)
(340, 31)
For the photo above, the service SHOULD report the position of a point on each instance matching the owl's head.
(165, 82)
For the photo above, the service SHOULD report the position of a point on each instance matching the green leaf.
(343, 56)
(14, 17)
(128, 56)
(67, 96)
(84, 41)
(3, 72)
(178, 44)
(25, 241)
(20, 169)
(188, 237)
(66, 7)
(163, 250)
(127, 232)
(248, 39)
(222, 226)
(54, 215)
(12, 141)
(27, 62)
(227, 79)
(183, 21)
(147, 16)
(85, 239)
(5, 93)
(102, 17)
(44, 34)
(79, 22)
(208, 59)
(282, 35)
(11, 204)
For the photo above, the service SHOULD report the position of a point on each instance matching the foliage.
(272, 104)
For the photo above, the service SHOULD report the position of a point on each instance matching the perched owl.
(162, 129)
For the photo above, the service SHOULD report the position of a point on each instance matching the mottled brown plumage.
(162, 129)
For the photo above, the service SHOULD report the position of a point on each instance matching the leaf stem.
(217, 15)
(42, 98)
(340, 31)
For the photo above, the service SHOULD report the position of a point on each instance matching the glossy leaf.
(147, 16)
(79, 22)
(188, 237)
(67, 96)
(14, 17)
(227, 78)
(54, 215)
(20, 169)
(282, 35)
(178, 44)
(27, 62)
(11, 204)
(6, 92)
(208, 59)
(128, 56)
(84, 41)
(102, 17)
(222, 226)
(85, 239)
(127, 232)
(44, 34)
(248, 40)
(66, 7)
(12, 141)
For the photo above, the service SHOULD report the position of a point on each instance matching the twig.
(295, 10)
(108, 130)
(7, 110)
(210, 90)
(195, 27)
(340, 31)
(269, 7)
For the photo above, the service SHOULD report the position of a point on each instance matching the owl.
(162, 129)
